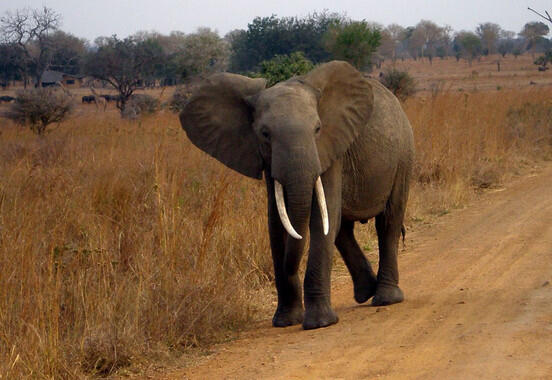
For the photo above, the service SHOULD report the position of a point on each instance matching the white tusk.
(322, 204)
(281, 204)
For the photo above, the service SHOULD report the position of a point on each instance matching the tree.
(427, 36)
(237, 40)
(412, 42)
(166, 68)
(506, 42)
(125, 64)
(12, 63)
(391, 39)
(266, 37)
(202, 52)
(545, 16)
(30, 30)
(68, 52)
(353, 41)
(40, 107)
(489, 34)
(283, 67)
(543, 60)
(468, 45)
(532, 32)
(184, 55)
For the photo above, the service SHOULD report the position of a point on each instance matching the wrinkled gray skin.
(333, 123)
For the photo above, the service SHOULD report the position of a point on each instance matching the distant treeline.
(33, 43)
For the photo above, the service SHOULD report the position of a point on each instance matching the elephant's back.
(383, 147)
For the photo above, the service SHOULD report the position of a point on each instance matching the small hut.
(52, 78)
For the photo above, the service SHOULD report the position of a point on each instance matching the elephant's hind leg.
(360, 269)
(389, 227)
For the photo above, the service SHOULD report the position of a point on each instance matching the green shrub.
(40, 107)
(283, 67)
(399, 82)
(354, 42)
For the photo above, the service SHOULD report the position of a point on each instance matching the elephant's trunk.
(280, 203)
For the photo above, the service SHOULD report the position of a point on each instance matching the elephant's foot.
(387, 295)
(319, 315)
(365, 288)
(284, 317)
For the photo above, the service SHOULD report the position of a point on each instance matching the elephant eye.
(265, 134)
(317, 129)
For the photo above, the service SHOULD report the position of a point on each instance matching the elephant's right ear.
(218, 120)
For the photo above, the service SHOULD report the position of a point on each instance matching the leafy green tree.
(12, 63)
(165, 68)
(266, 37)
(68, 52)
(283, 67)
(354, 42)
(125, 64)
(468, 45)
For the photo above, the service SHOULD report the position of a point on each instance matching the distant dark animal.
(543, 68)
(89, 99)
(110, 98)
(6, 99)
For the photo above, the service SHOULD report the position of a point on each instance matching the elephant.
(333, 135)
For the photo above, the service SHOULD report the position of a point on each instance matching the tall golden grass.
(121, 243)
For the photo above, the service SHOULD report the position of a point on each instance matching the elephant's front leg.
(318, 308)
(290, 304)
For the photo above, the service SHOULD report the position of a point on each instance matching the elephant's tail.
(403, 233)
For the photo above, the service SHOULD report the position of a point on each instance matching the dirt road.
(478, 287)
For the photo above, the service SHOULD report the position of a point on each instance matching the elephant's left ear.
(345, 106)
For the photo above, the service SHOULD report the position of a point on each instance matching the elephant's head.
(295, 130)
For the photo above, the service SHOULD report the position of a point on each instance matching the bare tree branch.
(547, 17)
(29, 29)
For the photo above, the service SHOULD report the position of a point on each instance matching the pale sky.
(93, 18)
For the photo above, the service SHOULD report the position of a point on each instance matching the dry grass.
(122, 244)
(482, 75)
(117, 241)
(468, 141)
